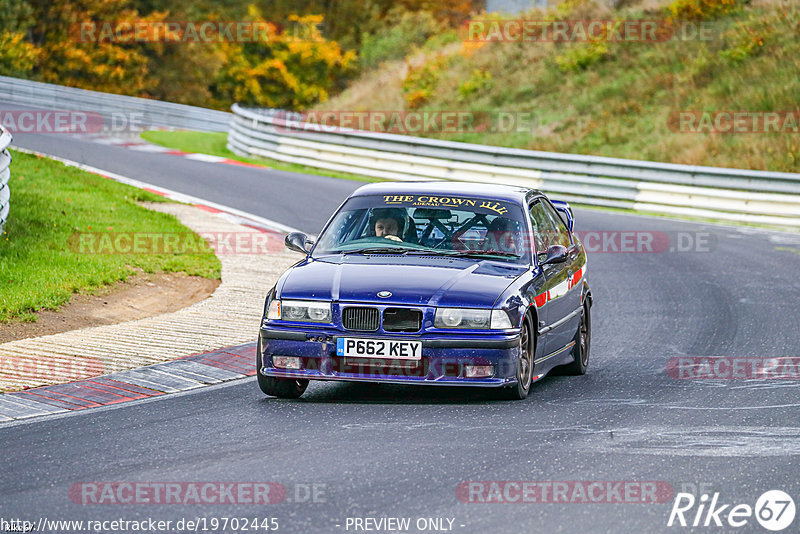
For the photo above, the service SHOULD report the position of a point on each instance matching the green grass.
(214, 144)
(40, 266)
(620, 103)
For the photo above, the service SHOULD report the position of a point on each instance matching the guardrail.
(5, 175)
(153, 113)
(761, 197)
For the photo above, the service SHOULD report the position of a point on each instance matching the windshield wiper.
(428, 252)
(470, 253)
(375, 250)
(490, 253)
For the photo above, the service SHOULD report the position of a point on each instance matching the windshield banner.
(477, 205)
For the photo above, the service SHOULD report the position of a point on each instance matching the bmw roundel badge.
(384, 294)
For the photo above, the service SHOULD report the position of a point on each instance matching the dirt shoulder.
(142, 295)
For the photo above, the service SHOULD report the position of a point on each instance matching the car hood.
(433, 281)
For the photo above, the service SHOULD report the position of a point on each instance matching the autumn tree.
(294, 69)
(17, 55)
(69, 58)
(311, 51)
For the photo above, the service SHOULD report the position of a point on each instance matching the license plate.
(379, 348)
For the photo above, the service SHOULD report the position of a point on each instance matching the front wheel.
(284, 388)
(524, 366)
(580, 352)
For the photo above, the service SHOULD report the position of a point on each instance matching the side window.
(562, 233)
(544, 231)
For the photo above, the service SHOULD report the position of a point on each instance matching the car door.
(556, 302)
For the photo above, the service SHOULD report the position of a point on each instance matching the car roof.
(479, 190)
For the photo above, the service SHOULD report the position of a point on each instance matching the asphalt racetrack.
(365, 451)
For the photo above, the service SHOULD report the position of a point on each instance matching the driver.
(503, 235)
(389, 223)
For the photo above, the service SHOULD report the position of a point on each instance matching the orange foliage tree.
(294, 69)
(299, 65)
(67, 58)
(453, 12)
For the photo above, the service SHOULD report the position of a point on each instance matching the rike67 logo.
(774, 510)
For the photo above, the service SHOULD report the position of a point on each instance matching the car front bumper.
(444, 358)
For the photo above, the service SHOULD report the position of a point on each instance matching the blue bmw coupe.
(433, 283)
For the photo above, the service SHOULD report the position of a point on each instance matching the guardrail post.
(5, 176)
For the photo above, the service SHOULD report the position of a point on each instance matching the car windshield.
(427, 224)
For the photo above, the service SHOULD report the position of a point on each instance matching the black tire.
(583, 343)
(284, 388)
(521, 389)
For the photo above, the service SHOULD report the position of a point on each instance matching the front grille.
(402, 320)
(363, 319)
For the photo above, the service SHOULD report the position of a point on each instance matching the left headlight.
(304, 311)
(471, 318)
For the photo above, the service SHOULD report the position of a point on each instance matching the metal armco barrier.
(5, 175)
(147, 113)
(760, 197)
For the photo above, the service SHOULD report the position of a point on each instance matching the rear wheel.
(284, 388)
(582, 339)
(524, 366)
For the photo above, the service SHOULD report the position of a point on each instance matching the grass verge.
(40, 268)
(215, 144)
(617, 98)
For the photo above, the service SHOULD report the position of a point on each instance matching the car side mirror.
(555, 254)
(297, 241)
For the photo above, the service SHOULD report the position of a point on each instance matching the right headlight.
(471, 318)
(304, 311)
